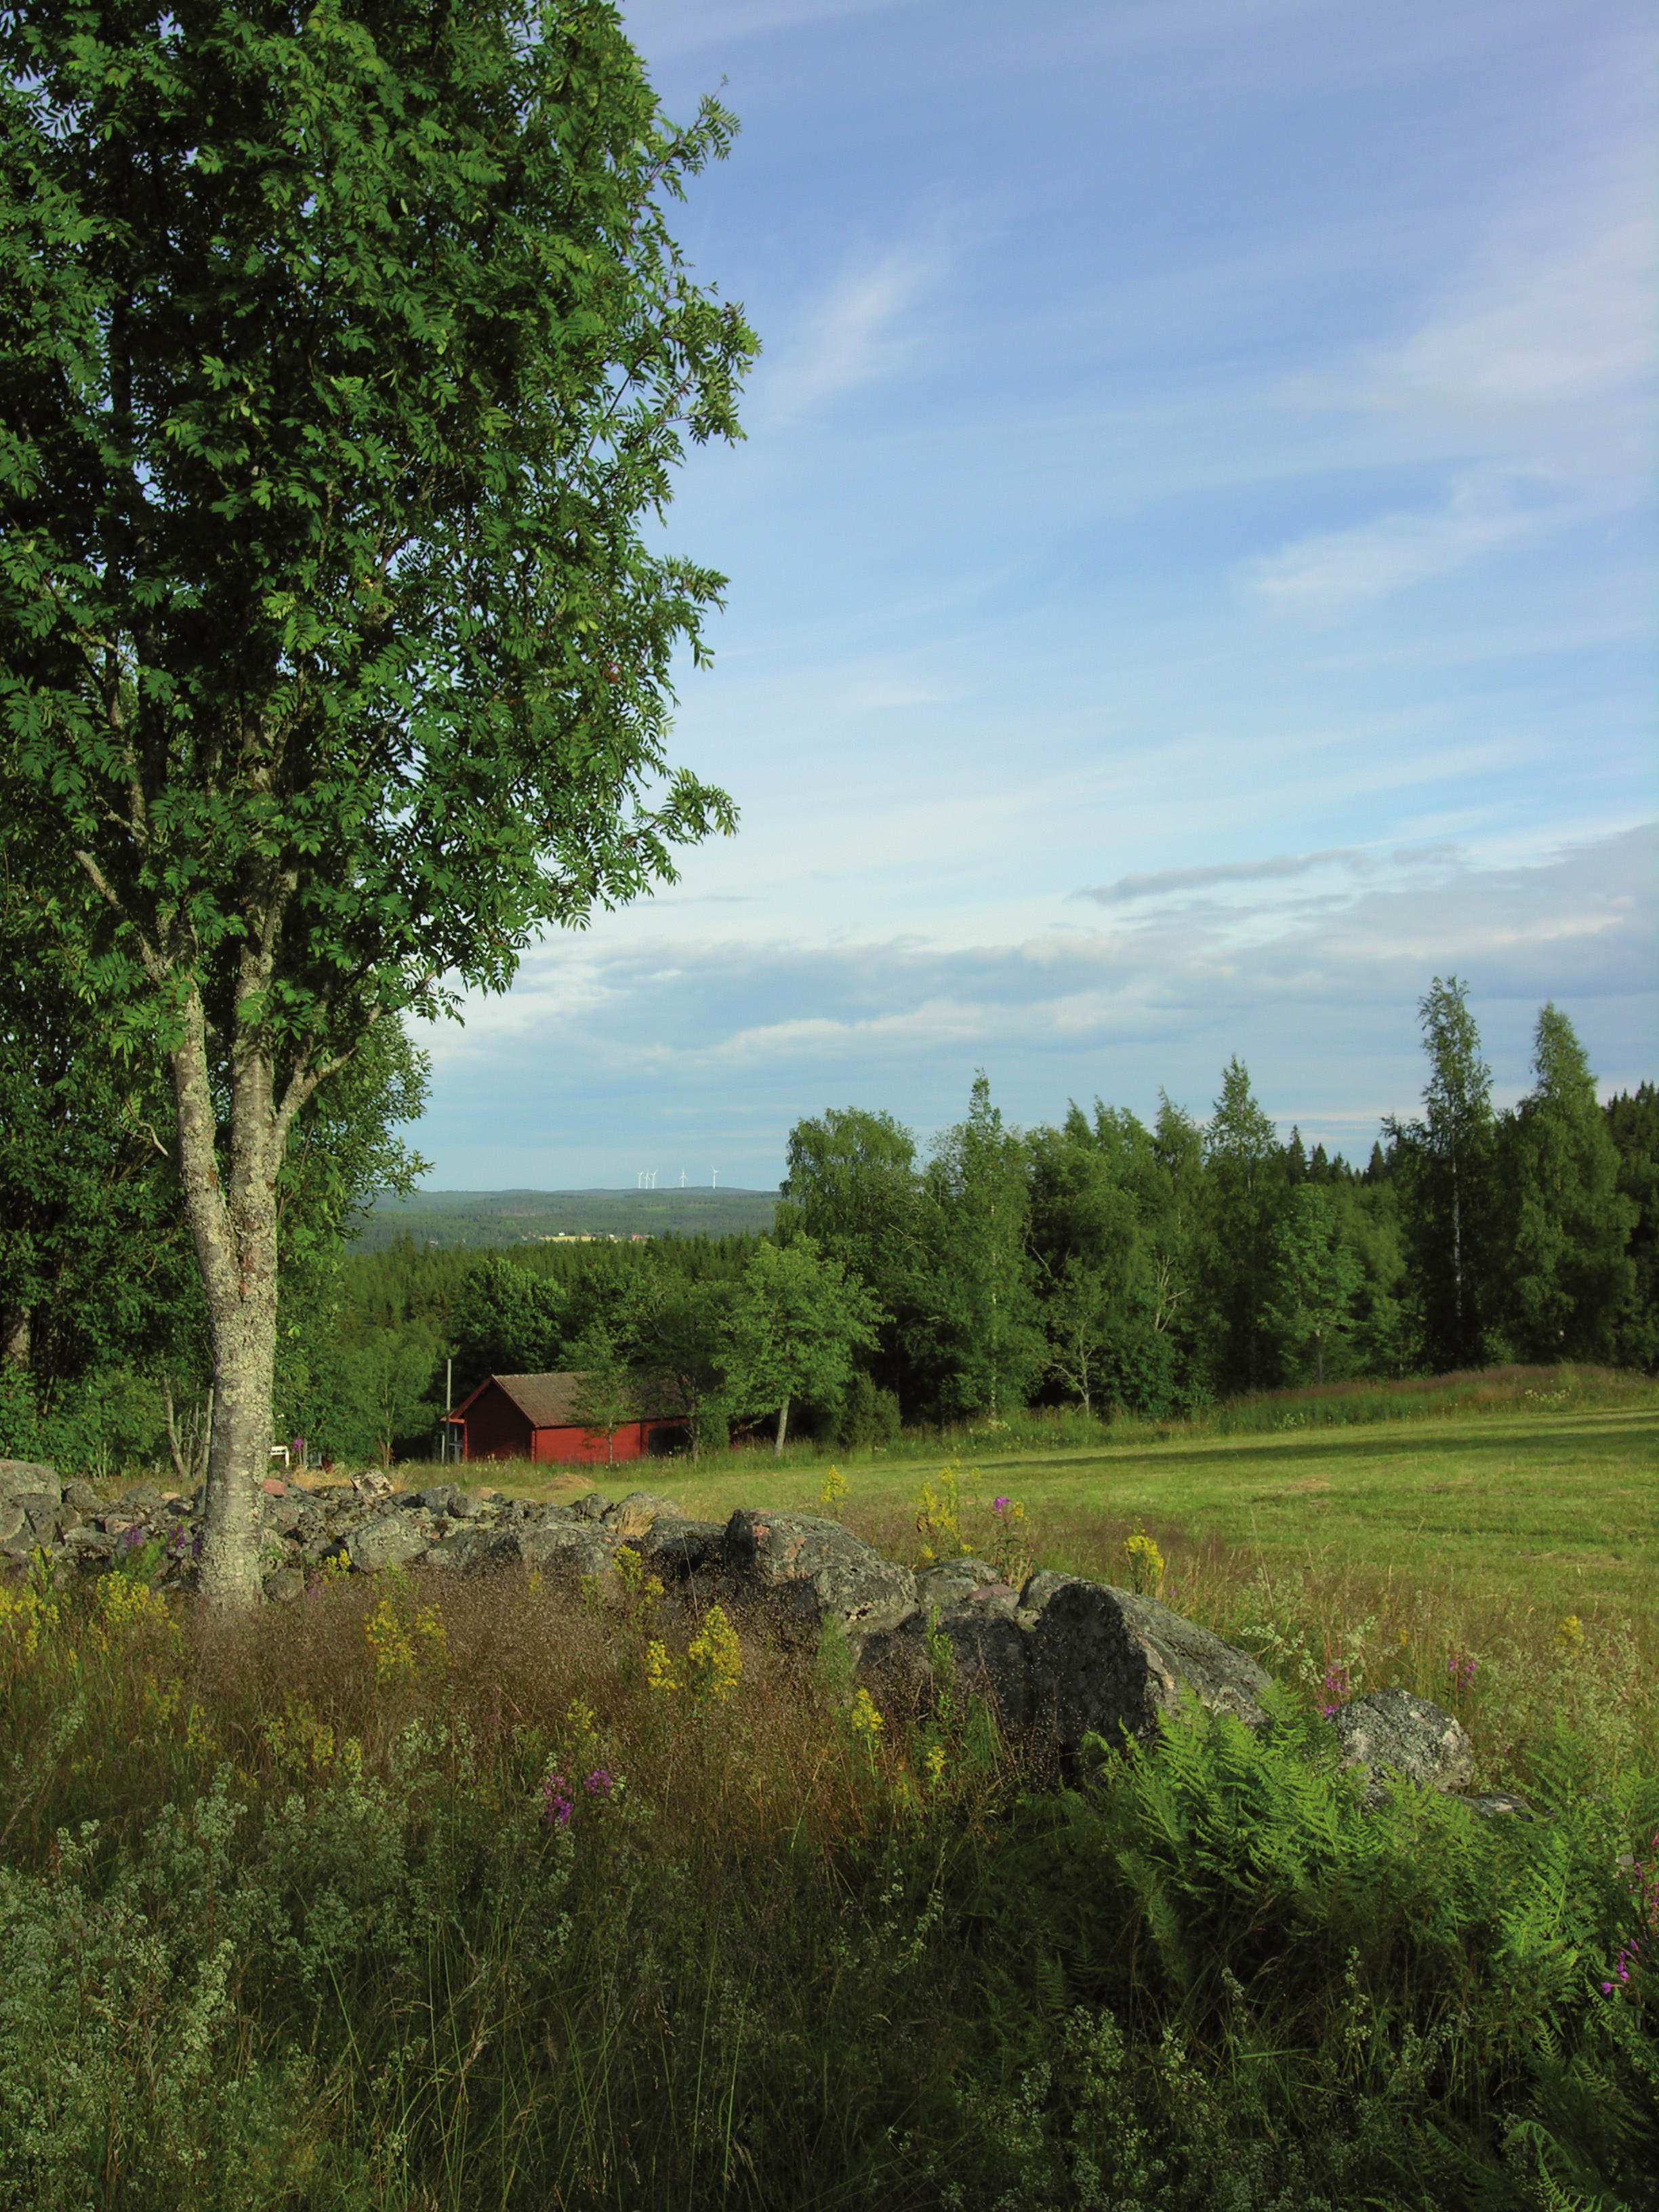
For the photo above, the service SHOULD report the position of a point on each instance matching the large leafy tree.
(345, 356)
(95, 1270)
(1091, 1186)
(855, 1186)
(796, 1322)
(1317, 1274)
(1633, 1120)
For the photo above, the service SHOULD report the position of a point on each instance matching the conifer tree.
(1567, 1277)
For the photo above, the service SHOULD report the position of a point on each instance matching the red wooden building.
(530, 1417)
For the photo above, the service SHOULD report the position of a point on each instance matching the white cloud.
(1330, 572)
(1556, 312)
(865, 329)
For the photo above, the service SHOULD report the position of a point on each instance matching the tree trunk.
(234, 1233)
(14, 1335)
(783, 1429)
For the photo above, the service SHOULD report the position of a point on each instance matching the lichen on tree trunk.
(232, 1222)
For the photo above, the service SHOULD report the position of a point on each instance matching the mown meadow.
(485, 1895)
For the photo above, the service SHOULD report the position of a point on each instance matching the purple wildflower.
(999, 1505)
(131, 1537)
(556, 1802)
(1337, 1690)
(1460, 1668)
(598, 1783)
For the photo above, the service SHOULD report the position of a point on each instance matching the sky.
(1191, 580)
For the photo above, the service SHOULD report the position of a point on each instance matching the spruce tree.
(1567, 1277)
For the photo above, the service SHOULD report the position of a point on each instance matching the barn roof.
(547, 1401)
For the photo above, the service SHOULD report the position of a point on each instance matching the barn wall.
(574, 1447)
(496, 1429)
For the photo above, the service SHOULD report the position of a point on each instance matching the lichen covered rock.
(1395, 1733)
(811, 1570)
(1109, 1663)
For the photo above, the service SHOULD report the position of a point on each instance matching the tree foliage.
(1568, 1277)
(794, 1325)
(345, 355)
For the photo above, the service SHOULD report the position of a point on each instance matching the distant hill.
(509, 1217)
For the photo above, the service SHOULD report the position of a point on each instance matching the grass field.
(448, 1894)
(1557, 1506)
(1500, 1556)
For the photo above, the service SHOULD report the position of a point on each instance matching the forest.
(1098, 1261)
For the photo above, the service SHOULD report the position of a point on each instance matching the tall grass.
(483, 1893)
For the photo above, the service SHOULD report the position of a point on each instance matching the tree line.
(1096, 1261)
(1099, 1261)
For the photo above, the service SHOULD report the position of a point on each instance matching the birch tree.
(345, 356)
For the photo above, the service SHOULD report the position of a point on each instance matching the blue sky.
(1192, 580)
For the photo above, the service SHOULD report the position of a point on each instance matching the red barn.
(530, 1417)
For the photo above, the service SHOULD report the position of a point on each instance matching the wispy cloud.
(1329, 572)
(865, 328)
(879, 1020)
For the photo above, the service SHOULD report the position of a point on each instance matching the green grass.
(1553, 1505)
(287, 1924)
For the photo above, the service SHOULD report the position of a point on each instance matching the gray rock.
(1497, 1805)
(285, 1585)
(88, 1544)
(143, 1499)
(592, 1506)
(679, 1550)
(1107, 1662)
(83, 1498)
(810, 1569)
(551, 1516)
(13, 1522)
(1037, 1590)
(633, 1515)
(436, 1497)
(567, 1549)
(29, 1478)
(989, 1649)
(953, 1583)
(472, 1550)
(1393, 1732)
(389, 1541)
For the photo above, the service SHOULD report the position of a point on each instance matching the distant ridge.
(511, 1217)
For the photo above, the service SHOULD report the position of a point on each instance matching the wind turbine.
(717, 1179)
